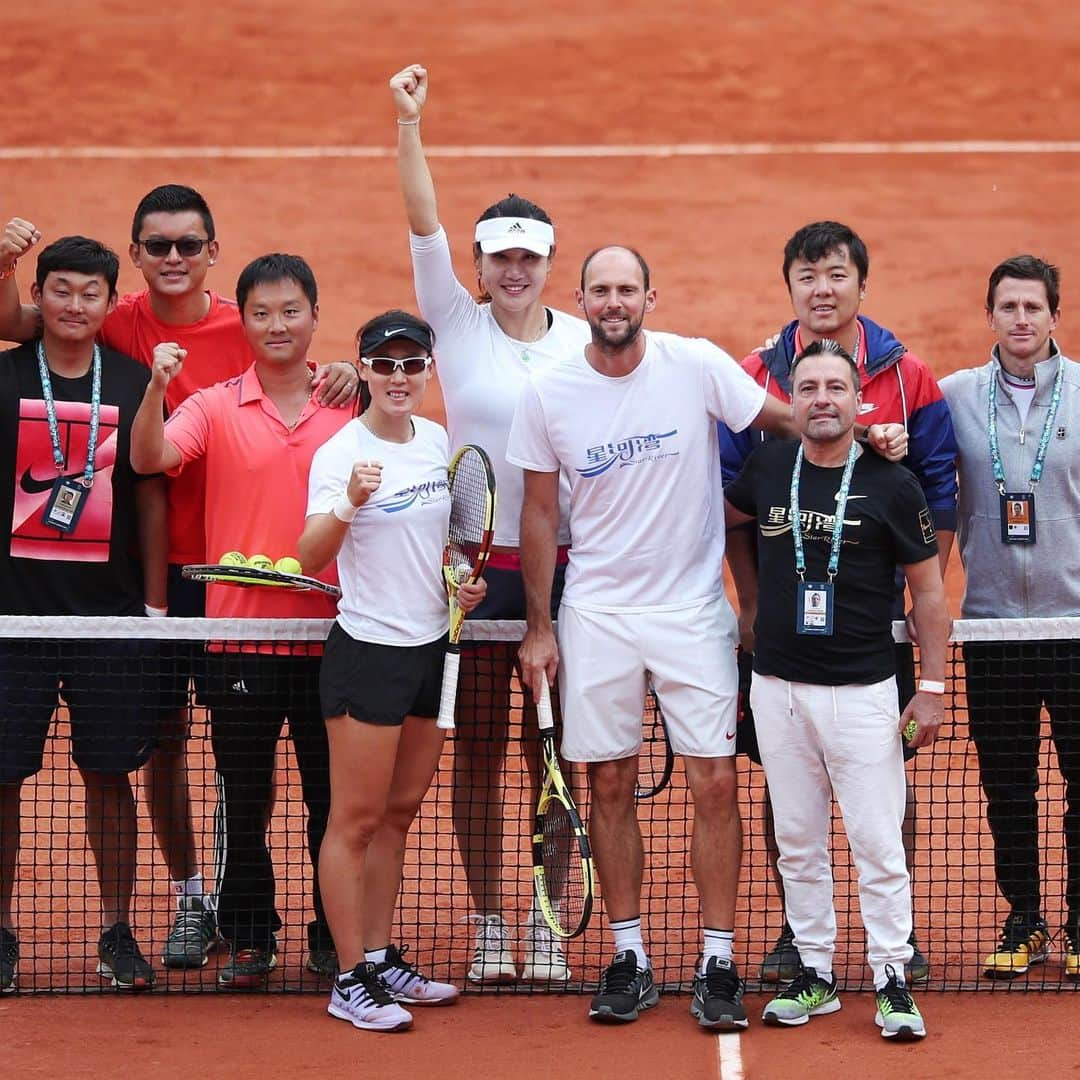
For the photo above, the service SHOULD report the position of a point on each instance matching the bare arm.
(151, 523)
(933, 626)
(18, 321)
(151, 452)
(539, 542)
(409, 89)
(741, 552)
(324, 534)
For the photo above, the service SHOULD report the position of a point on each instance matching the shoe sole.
(725, 1022)
(402, 999)
(606, 1015)
(797, 1021)
(367, 1025)
(538, 976)
(1015, 972)
(498, 978)
(106, 972)
(905, 1033)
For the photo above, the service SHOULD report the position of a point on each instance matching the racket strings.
(470, 495)
(563, 873)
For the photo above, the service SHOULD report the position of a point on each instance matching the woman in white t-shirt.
(487, 349)
(379, 502)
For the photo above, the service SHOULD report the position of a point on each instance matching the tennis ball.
(233, 558)
(261, 562)
(288, 565)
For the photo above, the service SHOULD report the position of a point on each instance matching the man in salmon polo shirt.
(173, 245)
(256, 434)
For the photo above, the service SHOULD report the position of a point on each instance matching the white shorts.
(606, 657)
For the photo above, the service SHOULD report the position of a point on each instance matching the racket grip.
(448, 697)
(545, 718)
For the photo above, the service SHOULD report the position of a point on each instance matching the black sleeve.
(910, 521)
(740, 492)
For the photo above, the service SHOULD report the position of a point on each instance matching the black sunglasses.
(387, 365)
(186, 247)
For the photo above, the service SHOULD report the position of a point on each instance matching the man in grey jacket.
(1017, 422)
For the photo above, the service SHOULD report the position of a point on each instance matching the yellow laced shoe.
(1025, 940)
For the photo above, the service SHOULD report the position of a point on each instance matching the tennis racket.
(248, 576)
(468, 544)
(562, 857)
(656, 759)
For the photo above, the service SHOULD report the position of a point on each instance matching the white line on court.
(729, 1057)
(750, 149)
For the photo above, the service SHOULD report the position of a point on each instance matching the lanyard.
(838, 521)
(54, 427)
(1044, 440)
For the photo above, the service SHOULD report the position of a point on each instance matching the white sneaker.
(544, 957)
(361, 997)
(406, 984)
(492, 960)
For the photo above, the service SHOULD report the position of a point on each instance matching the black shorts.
(746, 733)
(111, 691)
(182, 660)
(380, 684)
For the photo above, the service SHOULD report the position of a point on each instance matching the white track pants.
(817, 741)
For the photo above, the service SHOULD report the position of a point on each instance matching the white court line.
(729, 1057)
(752, 149)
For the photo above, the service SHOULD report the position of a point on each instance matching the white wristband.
(929, 686)
(155, 612)
(344, 510)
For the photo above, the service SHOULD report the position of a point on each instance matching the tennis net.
(484, 792)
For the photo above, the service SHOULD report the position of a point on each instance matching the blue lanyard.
(54, 427)
(838, 521)
(1044, 440)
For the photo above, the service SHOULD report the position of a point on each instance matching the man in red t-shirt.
(173, 245)
(257, 434)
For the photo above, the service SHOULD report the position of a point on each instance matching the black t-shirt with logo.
(886, 524)
(95, 569)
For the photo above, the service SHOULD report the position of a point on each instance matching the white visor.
(504, 233)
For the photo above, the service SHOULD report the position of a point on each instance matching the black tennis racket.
(249, 576)
(656, 759)
(562, 857)
(468, 544)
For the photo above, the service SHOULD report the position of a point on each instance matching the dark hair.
(512, 206)
(80, 255)
(1027, 268)
(171, 199)
(272, 268)
(620, 247)
(813, 242)
(827, 347)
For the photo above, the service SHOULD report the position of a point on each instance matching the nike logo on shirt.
(33, 486)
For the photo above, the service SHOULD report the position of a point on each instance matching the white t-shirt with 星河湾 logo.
(390, 563)
(640, 454)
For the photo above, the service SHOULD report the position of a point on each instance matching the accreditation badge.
(814, 608)
(65, 504)
(1018, 517)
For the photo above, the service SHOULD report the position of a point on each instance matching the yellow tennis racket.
(468, 544)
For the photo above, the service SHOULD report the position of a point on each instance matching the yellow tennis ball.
(288, 565)
(261, 562)
(233, 558)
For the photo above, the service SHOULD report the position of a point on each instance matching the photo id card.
(814, 607)
(65, 504)
(1018, 517)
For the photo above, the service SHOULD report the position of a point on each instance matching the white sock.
(627, 934)
(718, 943)
(192, 886)
(375, 956)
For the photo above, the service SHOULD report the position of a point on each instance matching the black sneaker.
(918, 967)
(119, 959)
(1025, 940)
(9, 960)
(193, 934)
(322, 962)
(625, 989)
(782, 964)
(247, 969)
(717, 1001)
